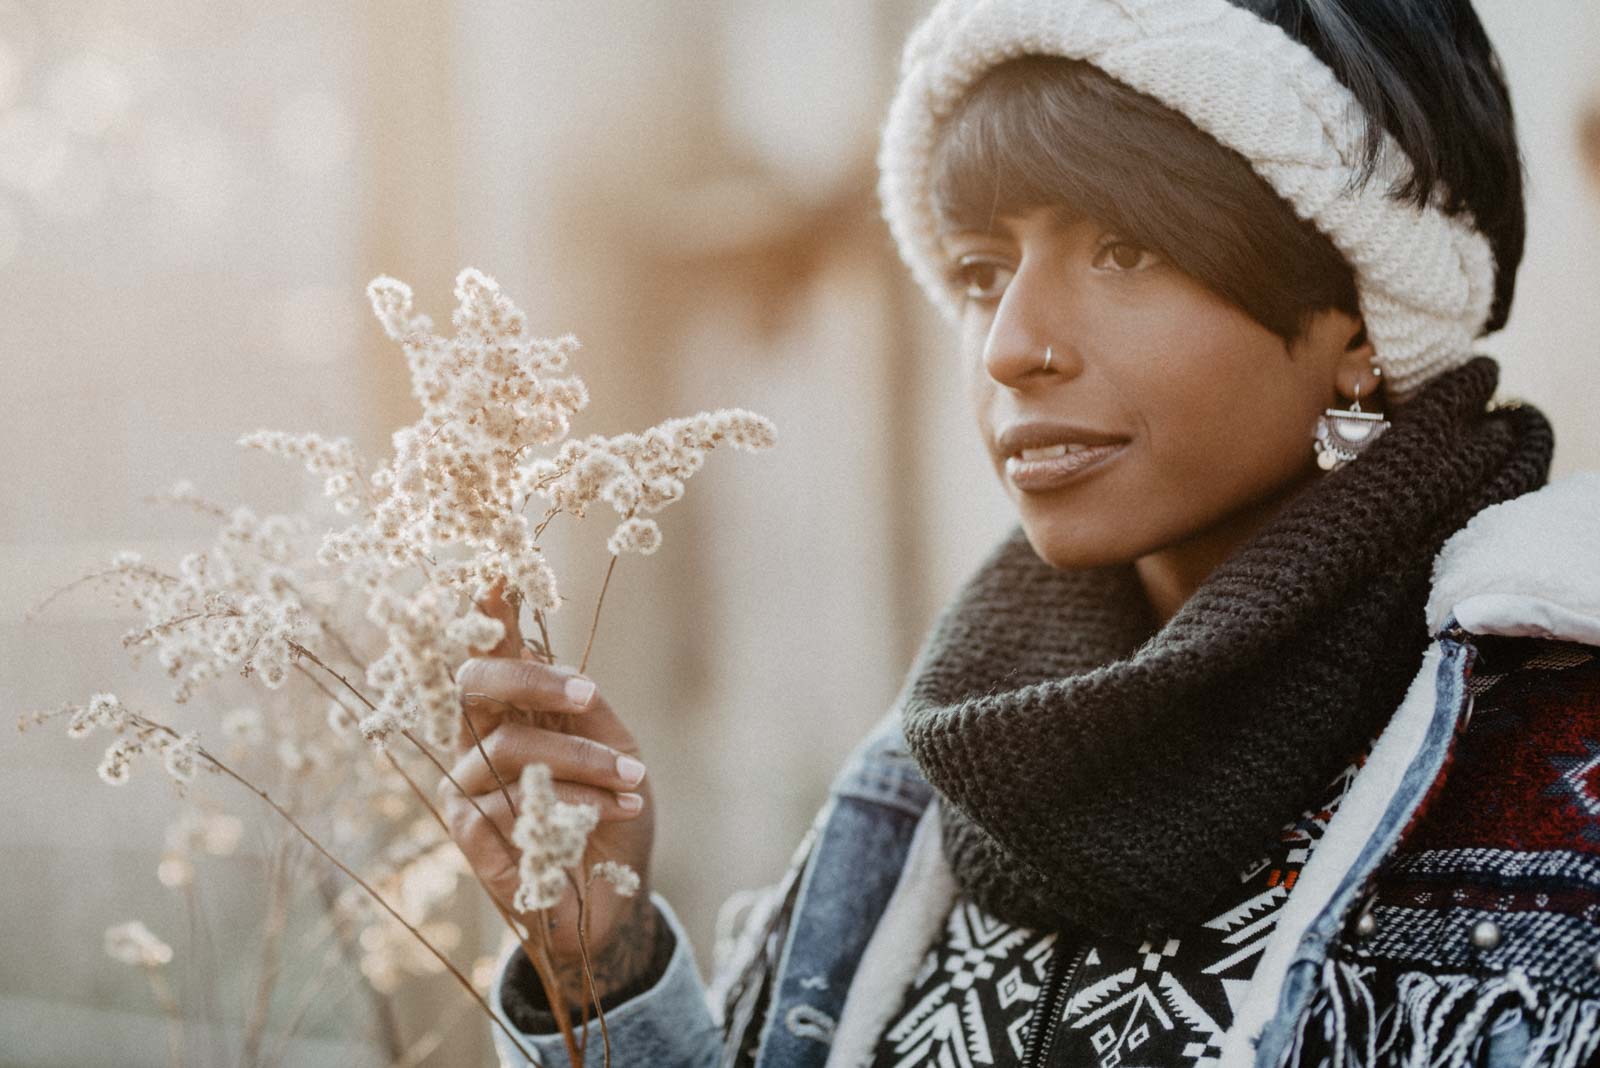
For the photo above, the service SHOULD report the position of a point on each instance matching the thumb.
(496, 605)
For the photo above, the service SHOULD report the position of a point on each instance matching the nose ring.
(1048, 355)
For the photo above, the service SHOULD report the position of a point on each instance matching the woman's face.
(1166, 412)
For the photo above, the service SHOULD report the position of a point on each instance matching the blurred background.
(193, 196)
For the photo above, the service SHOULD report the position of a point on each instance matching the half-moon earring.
(1344, 435)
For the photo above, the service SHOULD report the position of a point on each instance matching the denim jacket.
(805, 987)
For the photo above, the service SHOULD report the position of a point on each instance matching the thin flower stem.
(536, 953)
(544, 636)
(414, 740)
(478, 741)
(309, 655)
(417, 790)
(203, 953)
(538, 956)
(466, 984)
(504, 915)
(493, 826)
(439, 818)
(156, 628)
(49, 598)
(277, 917)
(426, 803)
(199, 504)
(312, 992)
(343, 644)
(169, 1008)
(588, 971)
(319, 684)
(438, 428)
(384, 1019)
(546, 976)
(595, 626)
(511, 805)
(538, 530)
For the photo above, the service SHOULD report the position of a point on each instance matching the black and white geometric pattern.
(972, 1000)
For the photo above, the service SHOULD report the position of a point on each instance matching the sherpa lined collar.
(1527, 567)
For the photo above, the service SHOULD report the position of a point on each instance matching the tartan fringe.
(1439, 1021)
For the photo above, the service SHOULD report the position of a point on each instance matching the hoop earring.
(1344, 435)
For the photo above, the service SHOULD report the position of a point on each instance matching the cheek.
(1224, 411)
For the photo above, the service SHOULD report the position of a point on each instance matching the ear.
(1356, 368)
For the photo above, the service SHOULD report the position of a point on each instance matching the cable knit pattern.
(1425, 279)
(1099, 774)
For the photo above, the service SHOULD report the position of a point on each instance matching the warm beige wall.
(192, 196)
(1550, 350)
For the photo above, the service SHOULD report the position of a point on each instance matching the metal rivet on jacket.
(1486, 934)
(1367, 925)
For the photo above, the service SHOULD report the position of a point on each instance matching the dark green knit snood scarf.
(1101, 778)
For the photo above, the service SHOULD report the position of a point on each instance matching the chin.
(1074, 547)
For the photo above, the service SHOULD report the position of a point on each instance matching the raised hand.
(525, 711)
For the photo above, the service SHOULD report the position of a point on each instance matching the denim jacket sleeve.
(668, 1025)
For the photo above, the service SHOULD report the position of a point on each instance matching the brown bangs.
(1048, 132)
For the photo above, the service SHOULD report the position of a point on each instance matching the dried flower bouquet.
(341, 733)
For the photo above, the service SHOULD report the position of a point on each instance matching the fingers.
(502, 683)
(495, 606)
(496, 689)
(467, 822)
(571, 757)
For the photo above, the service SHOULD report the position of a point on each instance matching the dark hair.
(1426, 71)
(1043, 131)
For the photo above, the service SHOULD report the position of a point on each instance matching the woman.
(1271, 735)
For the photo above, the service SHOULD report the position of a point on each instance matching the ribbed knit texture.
(1425, 279)
(1099, 774)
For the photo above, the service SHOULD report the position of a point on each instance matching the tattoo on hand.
(629, 954)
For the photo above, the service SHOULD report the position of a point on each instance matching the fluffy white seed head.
(621, 877)
(114, 766)
(635, 535)
(552, 835)
(132, 943)
(181, 756)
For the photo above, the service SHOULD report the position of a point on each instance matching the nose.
(1027, 325)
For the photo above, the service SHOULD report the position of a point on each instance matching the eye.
(1118, 255)
(980, 278)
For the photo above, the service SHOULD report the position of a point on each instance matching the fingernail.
(630, 802)
(579, 691)
(629, 770)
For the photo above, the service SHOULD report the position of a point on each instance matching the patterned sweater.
(976, 998)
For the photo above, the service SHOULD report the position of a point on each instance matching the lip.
(1039, 433)
(1037, 476)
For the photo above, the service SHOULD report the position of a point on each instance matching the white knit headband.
(1425, 280)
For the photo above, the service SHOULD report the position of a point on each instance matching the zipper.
(1036, 1051)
